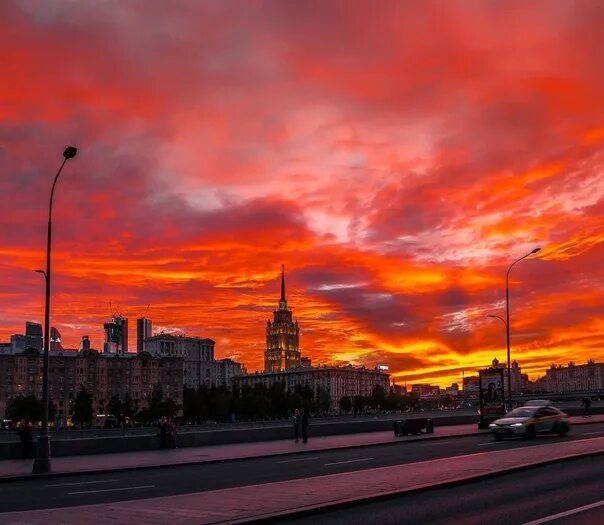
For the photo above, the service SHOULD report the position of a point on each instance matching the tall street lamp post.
(42, 461)
(507, 321)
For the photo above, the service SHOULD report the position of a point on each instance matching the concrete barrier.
(67, 446)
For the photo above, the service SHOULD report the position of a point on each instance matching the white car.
(528, 421)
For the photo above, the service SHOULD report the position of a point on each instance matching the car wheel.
(530, 433)
(563, 429)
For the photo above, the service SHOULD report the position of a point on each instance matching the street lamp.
(507, 321)
(42, 461)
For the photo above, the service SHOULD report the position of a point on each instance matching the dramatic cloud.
(396, 157)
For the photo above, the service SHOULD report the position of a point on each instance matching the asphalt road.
(165, 481)
(574, 488)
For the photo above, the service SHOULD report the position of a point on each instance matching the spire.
(282, 301)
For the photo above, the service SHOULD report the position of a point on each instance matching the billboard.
(492, 404)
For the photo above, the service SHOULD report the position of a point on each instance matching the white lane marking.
(488, 444)
(111, 490)
(81, 483)
(436, 443)
(349, 461)
(591, 433)
(300, 459)
(554, 517)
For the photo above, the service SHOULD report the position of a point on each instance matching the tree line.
(219, 404)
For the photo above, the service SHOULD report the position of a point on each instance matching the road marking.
(111, 490)
(590, 433)
(81, 483)
(489, 444)
(554, 517)
(349, 461)
(437, 442)
(300, 459)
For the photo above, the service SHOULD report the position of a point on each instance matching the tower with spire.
(282, 337)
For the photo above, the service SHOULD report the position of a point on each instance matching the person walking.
(586, 404)
(304, 425)
(25, 432)
(172, 436)
(163, 432)
(296, 423)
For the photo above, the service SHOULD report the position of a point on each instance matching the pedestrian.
(586, 404)
(172, 433)
(304, 425)
(25, 432)
(163, 432)
(296, 423)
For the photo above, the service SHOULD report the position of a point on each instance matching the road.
(165, 481)
(572, 490)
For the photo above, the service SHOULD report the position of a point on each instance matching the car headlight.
(491, 425)
(517, 424)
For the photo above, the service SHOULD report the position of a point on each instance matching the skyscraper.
(143, 331)
(282, 337)
(116, 335)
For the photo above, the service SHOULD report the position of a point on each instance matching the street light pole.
(507, 321)
(42, 461)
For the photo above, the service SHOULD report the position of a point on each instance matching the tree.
(345, 404)
(24, 407)
(128, 409)
(155, 402)
(323, 400)
(358, 403)
(114, 407)
(168, 408)
(52, 411)
(82, 408)
(377, 399)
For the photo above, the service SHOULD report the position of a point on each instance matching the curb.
(27, 477)
(318, 509)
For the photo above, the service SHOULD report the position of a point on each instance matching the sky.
(396, 157)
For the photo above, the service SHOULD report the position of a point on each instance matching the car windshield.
(521, 412)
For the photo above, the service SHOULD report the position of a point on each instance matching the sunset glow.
(396, 160)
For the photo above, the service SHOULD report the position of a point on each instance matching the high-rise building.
(85, 343)
(282, 337)
(55, 340)
(116, 335)
(143, 331)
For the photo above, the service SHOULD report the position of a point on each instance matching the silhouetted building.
(335, 381)
(102, 375)
(282, 337)
(31, 339)
(85, 343)
(144, 330)
(573, 378)
(116, 335)
(55, 340)
(305, 362)
(226, 369)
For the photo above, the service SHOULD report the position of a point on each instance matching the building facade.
(198, 354)
(102, 375)
(116, 335)
(282, 337)
(144, 330)
(573, 378)
(338, 382)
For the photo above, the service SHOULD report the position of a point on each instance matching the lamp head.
(70, 152)
(40, 271)
(535, 250)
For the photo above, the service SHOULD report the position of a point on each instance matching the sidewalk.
(256, 502)
(14, 469)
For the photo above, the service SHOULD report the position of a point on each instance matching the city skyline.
(395, 179)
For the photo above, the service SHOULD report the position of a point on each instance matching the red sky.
(396, 159)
